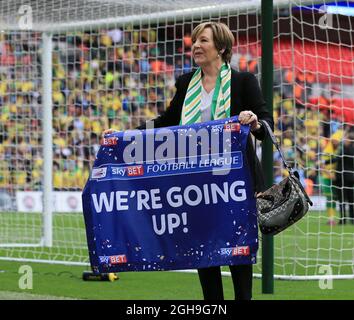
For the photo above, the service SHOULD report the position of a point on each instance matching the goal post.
(47, 140)
(84, 66)
(267, 146)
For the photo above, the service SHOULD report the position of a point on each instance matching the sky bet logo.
(118, 259)
(113, 141)
(232, 127)
(131, 171)
(236, 251)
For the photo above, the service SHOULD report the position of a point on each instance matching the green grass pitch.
(300, 250)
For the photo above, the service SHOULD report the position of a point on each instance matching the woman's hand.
(248, 117)
(108, 131)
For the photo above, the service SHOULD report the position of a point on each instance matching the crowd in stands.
(117, 79)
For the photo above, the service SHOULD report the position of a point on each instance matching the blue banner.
(172, 198)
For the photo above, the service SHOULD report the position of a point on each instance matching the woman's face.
(203, 49)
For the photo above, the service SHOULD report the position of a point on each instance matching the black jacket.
(245, 95)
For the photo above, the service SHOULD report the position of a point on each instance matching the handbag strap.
(275, 142)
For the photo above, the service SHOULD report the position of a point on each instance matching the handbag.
(284, 203)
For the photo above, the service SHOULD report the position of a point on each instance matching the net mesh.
(119, 74)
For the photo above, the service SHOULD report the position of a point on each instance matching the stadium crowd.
(117, 79)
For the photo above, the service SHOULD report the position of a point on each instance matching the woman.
(215, 91)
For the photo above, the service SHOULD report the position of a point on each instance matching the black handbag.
(284, 203)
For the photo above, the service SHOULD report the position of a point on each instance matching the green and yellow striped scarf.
(220, 107)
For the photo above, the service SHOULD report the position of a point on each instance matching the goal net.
(71, 68)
